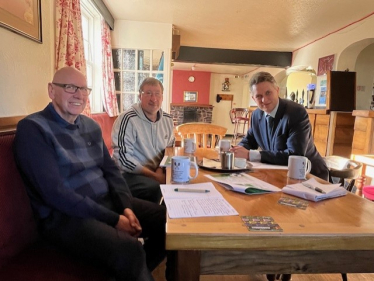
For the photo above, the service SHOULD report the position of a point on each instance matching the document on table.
(182, 204)
(241, 182)
(307, 190)
(259, 165)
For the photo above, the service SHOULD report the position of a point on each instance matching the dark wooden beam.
(228, 56)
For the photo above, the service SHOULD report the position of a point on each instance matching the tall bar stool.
(239, 117)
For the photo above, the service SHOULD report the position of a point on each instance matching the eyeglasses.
(72, 89)
(149, 94)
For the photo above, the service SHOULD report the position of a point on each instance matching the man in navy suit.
(279, 127)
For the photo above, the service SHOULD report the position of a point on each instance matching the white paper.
(243, 183)
(299, 190)
(189, 204)
(259, 165)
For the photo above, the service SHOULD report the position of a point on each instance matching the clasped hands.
(129, 223)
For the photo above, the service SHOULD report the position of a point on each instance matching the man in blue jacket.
(279, 128)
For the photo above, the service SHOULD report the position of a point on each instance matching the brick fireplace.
(185, 113)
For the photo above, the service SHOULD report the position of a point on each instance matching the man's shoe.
(270, 277)
(286, 277)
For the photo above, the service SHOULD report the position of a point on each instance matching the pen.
(314, 188)
(191, 190)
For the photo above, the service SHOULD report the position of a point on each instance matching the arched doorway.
(359, 57)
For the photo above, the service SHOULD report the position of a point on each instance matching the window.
(91, 27)
(131, 66)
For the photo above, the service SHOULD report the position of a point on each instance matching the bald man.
(80, 200)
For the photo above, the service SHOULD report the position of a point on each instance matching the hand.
(240, 152)
(160, 175)
(157, 175)
(129, 223)
(134, 222)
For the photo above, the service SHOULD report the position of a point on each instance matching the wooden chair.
(206, 135)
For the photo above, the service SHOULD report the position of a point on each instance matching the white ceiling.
(265, 25)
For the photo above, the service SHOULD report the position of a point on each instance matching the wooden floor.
(158, 275)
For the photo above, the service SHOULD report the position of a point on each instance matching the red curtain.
(109, 91)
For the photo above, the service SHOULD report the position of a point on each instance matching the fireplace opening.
(190, 115)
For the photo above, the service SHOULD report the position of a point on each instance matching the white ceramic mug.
(240, 163)
(180, 169)
(224, 145)
(298, 167)
(189, 145)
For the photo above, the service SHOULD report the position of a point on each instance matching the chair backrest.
(238, 112)
(203, 133)
(344, 169)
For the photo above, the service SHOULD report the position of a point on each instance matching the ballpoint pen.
(313, 187)
(191, 190)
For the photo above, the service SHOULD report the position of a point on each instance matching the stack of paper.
(314, 191)
(243, 183)
(195, 200)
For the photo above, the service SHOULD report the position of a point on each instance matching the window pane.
(128, 100)
(128, 59)
(159, 76)
(141, 77)
(158, 60)
(144, 60)
(117, 80)
(119, 101)
(128, 80)
(89, 74)
(116, 55)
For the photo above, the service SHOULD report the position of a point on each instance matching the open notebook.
(314, 191)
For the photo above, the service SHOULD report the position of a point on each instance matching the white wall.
(221, 110)
(26, 67)
(365, 68)
(147, 35)
(351, 41)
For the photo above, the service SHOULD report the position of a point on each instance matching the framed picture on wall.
(325, 64)
(189, 96)
(22, 17)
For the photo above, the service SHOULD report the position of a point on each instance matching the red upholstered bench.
(106, 124)
(23, 256)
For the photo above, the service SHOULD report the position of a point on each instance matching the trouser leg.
(152, 218)
(143, 187)
(99, 243)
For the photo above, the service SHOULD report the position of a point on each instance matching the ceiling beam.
(228, 56)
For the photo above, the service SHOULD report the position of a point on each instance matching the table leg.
(187, 266)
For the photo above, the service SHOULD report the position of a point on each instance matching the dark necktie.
(270, 125)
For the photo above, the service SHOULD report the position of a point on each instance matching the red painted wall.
(201, 85)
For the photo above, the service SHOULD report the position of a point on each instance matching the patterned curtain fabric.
(69, 38)
(109, 90)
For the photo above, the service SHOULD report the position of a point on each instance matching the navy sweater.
(67, 167)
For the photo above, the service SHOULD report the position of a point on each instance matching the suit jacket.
(291, 135)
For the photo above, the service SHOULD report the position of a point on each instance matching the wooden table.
(331, 236)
